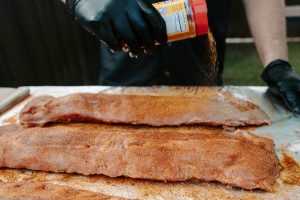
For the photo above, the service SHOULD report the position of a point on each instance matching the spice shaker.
(184, 18)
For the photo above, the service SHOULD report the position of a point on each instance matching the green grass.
(242, 66)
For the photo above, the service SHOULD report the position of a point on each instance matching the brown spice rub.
(291, 170)
(11, 120)
(238, 159)
(210, 108)
(45, 191)
(130, 188)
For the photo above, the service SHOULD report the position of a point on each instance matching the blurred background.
(40, 44)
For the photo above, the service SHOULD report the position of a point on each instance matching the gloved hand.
(283, 82)
(135, 24)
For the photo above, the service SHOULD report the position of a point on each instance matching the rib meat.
(210, 108)
(46, 191)
(239, 158)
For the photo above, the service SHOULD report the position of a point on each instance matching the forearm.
(267, 23)
(64, 1)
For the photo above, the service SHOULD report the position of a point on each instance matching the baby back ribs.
(238, 159)
(209, 108)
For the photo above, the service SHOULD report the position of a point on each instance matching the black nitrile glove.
(133, 23)
(283, 82)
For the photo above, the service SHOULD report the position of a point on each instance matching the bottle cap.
(200, 16)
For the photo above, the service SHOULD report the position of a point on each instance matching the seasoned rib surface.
(210, 108)
(45, 191)
(238, 159)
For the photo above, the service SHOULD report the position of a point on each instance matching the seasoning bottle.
(184, 18)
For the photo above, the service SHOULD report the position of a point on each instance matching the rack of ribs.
(209, 108)
(239, 159)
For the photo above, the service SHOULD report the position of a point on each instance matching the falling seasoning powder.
(188, 19)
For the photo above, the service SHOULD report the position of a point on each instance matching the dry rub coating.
(210, 108)
(45, 191)
(238, 159)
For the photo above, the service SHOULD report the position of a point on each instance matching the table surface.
(285, 131)
(4, 92)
